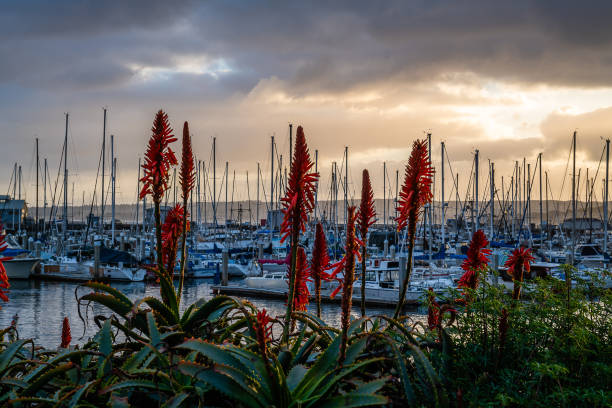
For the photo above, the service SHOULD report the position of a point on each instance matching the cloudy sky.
(511, 79)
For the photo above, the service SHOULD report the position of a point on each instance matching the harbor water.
(42, 305)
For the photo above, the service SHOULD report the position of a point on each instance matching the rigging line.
(263, 188)
(221, 189)
(563, 182)
(93, 199)
(233, 188)
(74, 154)
(596, 173)
(7, 193)
(54, 209)
(207, 182)
(486, 204)
(249, 198)
(528, 198)
(503, 221)
(452, 174)
(468, 189)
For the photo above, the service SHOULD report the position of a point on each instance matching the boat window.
(393, 264)
(588, 250)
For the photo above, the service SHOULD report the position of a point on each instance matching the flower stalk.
(518, 263)
(415, 193)
(365, 218)
(159, 158)
(187, 181)
(319, 264)
(351, 250)
(66, 336)
(297, 205)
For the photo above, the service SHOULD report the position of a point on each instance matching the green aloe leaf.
(354, 400)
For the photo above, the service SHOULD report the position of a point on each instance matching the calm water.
(41, 307)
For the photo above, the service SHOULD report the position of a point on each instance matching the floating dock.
(385, 298)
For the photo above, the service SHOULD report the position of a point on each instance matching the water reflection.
(41, 307)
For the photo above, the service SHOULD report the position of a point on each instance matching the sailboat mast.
(137, 197)
(443, 212)
(573, 197)
(45, 196)
(457, 208)
(429, 205)
(103, 166)
(257, 203)
(226, 183)
(113, 174)
(290, 144)
(271, 183)
(547, 220)
(476, 190)
(214, 202)
(20, 198)
(345, 184)
(66, 180)
(385, 195)
(492, 188)
(37, 167)
(204, 195)
(541, 210)
(528, 197)
(605, 217)
(199, 193)
(317, 183)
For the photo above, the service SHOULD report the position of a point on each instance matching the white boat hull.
(20, 268)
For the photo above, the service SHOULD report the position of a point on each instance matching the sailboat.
(64, 267)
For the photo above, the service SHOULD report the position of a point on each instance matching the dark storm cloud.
(330, 47)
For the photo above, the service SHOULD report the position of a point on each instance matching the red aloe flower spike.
(477, 255)
(342, 263)
(518, 263)
(302, 277)
(476, 260)
(187, 180)
(319, 264)
(352, 249)
(367, 213)
(158, 158)
(263, 333)
(300, 195)
(433, 310)
(66, 337)
(187, 173)
(365, 218)
(435, 313)
(298, 202)
(4, 281)
(415, 193)
(459, 398)
(171, 232)
(416, 190)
